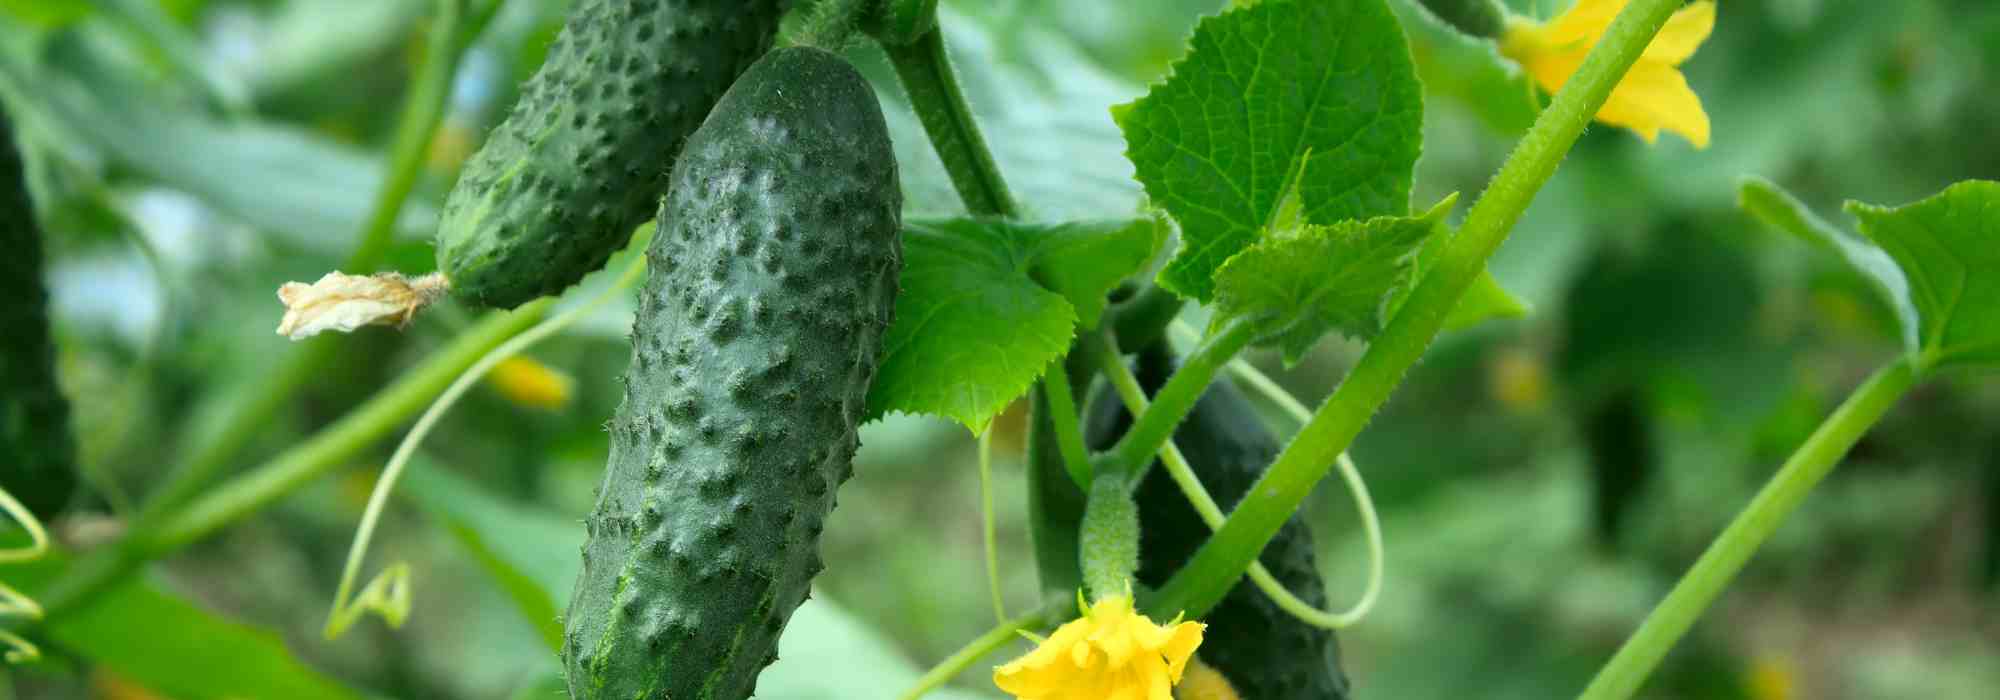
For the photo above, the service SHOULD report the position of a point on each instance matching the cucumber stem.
(1211, 514)
(927, 77)
(1312, 453)
(1152, 429)
(1726, 556)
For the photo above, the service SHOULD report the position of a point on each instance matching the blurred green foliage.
(192, 155)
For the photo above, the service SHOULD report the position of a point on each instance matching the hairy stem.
(1220, 562)
(335, 445)
(1153, 428)
(1732, 549)
(243, 415)
(1134, 398)
(927, 77)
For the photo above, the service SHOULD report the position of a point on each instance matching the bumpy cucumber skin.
(584, 157)
(772, 280)
(1265, 652)
(37, 453)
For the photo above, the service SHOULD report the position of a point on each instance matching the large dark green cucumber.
(1264, 652)
(772, 278)
(584, 157)
(37, 453)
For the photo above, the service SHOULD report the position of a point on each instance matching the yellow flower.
(1203, 682)
(1652, 96)
(529, 383)
(1111, 653)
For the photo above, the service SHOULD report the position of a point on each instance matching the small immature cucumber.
(584, 157)
(37, 454)
(773, 276)
(1264, 652)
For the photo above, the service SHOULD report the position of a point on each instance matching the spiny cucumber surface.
(584, 156)
(771, 280)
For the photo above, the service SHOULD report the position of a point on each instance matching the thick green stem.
(1732, 549)
(1063, 419)
(331, 447)
(264, 398)
(1216, 567)
(1152, 430)
(927, 77)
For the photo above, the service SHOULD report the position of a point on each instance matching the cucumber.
(1264, 652)
(584, 157)
(772, 279)
(37, 453)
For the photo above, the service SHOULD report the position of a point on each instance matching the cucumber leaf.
(1935, 261)
(169, 645)
(986, 304)
(1778, 209)
(1300, 284)
(1948, 246)
(1317, 97)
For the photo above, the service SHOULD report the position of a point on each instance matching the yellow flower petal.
(1683, 34)
(1655, 96)
(1111, 653)
(1651, 97)
(1584, 22)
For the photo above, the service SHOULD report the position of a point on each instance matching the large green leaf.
(1778, 209)
(986, 304)
(1314, 97)
(1949, 247)
(167, 644)
(1298, 285)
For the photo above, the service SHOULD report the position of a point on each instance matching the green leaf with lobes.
(1300, 284)
(987, 303)
(1948, 246)
(1314, 96)
(1778, 209)
(1936, 261)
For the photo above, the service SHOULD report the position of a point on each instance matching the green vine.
(1218, 564)
(925, 71)
(1732, 549)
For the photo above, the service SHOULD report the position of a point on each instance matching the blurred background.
(1542, 481)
